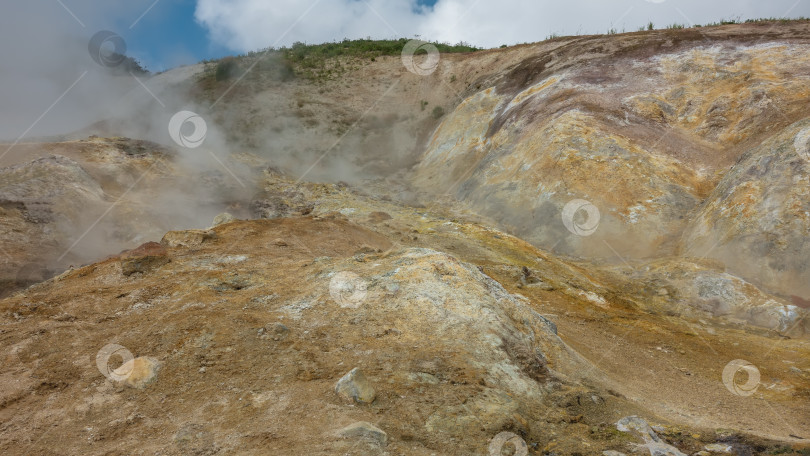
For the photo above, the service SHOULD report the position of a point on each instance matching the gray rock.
(663, 449)
(639, 427)
(719, 448)
(365, 430)
(223, 218)
(612, 453)
(355, 387)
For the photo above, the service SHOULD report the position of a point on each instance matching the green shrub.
(438, 111)
(226, 69)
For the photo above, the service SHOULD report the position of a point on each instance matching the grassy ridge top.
(317, 62)
(299, 52)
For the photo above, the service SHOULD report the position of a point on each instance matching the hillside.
(543, 240)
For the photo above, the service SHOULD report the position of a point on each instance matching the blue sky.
(177, 32)
(168, 35)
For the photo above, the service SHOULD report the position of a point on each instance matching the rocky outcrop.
(608, 130)
(144, 259)
(642, 155)
(757, 220)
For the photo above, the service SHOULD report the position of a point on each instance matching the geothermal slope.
(423, 287)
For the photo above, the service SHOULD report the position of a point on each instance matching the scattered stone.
(144, 259)
(718, 448)
(639, 427)
(423, 377)
(355, 387)
(223, 218)
(273, 204)
(188, 238)
(279, 242)
(612, 453)
(64, 317)
(139, 372)
(275, 331)
(365, 430)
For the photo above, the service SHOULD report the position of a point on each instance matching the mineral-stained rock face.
(642, 137)
(72, 202)
(757, 220)
(643, 154)
(42, 203)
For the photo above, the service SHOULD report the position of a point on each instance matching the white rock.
(718, 448)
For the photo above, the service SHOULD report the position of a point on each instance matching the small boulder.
(139, 372)
(639, 427)
(719, 448)
(365, 430)
(144, 259)
(355, 387)
(275, 331)
(223, 218)
(612, 453)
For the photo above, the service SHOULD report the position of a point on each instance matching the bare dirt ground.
(233, 381)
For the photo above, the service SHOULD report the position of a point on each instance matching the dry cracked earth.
(600, 249)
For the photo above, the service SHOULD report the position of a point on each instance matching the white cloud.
(244, 25)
